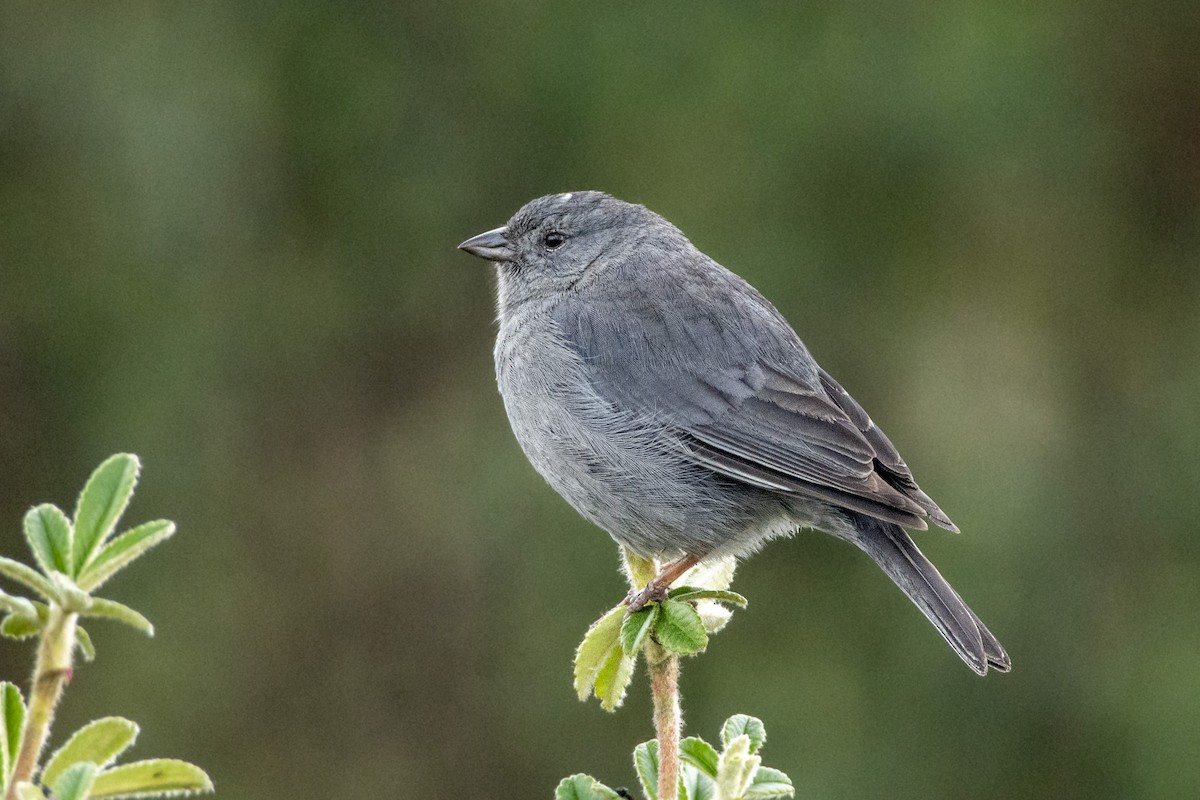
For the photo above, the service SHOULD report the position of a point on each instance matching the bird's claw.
(652, 593)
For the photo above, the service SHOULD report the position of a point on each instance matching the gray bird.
(673, 406)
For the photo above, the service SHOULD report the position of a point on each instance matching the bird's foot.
(654, 592)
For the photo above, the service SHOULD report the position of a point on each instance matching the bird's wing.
(743, 394)
(888, 463)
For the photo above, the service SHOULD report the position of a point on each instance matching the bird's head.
(554, 242)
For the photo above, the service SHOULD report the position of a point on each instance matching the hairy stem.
(664, 688)
(51, 673)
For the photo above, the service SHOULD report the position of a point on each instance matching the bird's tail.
(891, 548)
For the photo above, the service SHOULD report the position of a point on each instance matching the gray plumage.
(673, 406)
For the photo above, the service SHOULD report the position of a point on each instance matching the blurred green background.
(227, 240)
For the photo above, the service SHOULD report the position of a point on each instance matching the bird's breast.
(622, 468)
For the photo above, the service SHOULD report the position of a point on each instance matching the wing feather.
(751, 404)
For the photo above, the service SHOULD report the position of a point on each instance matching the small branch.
(51, 673)
(664, 688)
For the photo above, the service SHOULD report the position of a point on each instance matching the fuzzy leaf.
(713, 616)
(613, 679)
(28, 577)
(71, 597)
(690, 594)
(700, 754)
(12, 706)
(75, 781)
(18, 626)
(157, 777)
(49, 535)
(111, 609)
(28, 791)
(640, 571)
(101, 504)
(769, 783)
(711, 573)
(736, 767)
(708, 603)
(118, 553)
(594, 651)
(83, 640)
(17, 605)
(635, 627)
(744, 723)
(645, 762)
(695, 785)
(98, 742)
(583, 787)
(679, 628)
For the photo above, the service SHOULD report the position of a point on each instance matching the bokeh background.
(227, 240)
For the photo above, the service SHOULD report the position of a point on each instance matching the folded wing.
(754, 406)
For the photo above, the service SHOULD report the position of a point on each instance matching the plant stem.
(664, 688)
(51, 673)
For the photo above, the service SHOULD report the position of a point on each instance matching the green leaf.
(645, 762)
(75, 781)
(744, 723)
(101, 504)
(600, 664)
(679, 628)
(700, 754)
(583, 787)
(18, 626)
(690, 594)
(154, 778)
(98, 742)
(118, 553)
(21, 626)
(111, 609)
(71, 597)
(83, 640)
(17, 605)
(736, 767)
(635, 628)
(640, 571)
(594, 651)
(695, 785)
(711, 573)
(613, 679)
(29, 577)
(49, 535)
(769, 783)
(12, 706)
(28, 791)
(708, 603)
(713, 616)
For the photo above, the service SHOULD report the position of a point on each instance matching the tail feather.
(896, 554)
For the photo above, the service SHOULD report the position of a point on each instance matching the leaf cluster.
(75, 557)
(83, 768)
(680, 625)
(734, 773)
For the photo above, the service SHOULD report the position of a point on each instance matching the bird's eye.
(554, 240)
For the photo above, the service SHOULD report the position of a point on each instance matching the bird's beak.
(490, 245)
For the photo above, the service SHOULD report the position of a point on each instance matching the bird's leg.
(656, 590)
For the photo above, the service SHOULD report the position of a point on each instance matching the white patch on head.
(566, 197)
